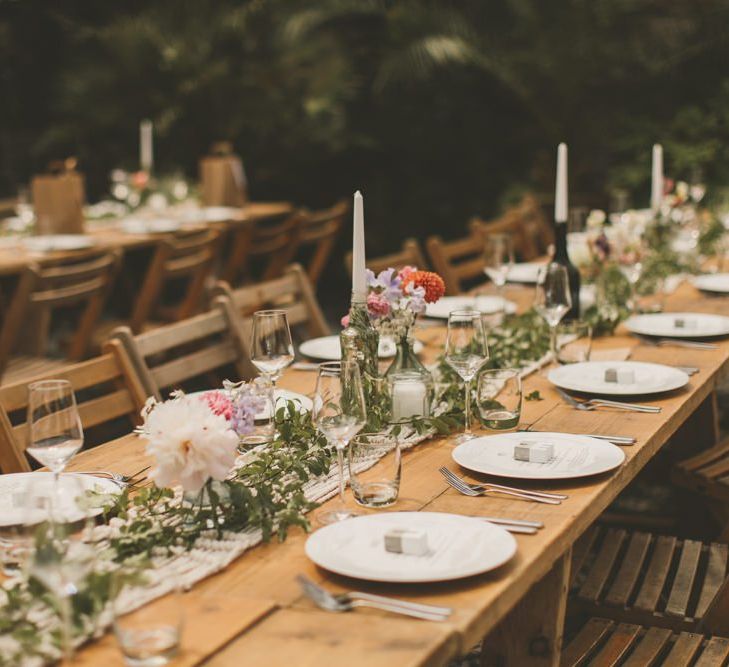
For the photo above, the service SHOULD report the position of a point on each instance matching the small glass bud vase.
(264, 423)
(411, 394)
(405, 357)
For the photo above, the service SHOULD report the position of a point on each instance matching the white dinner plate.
(158, 226)
(574, 456)
(282, 396)
(458, 546)
(220, 213)
(695, 325)
(486, 304)
(11, 485)
(589, 377)
(329, 349)
(713, 282)
(51, 242)
(524, 272)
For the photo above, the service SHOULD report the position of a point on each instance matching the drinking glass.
(264, 423)
(498, 396)
(378, 485)
(271, 347)
(58, 522)
(339, 413)
(553, 299)
(498, 260)
(466, 351)
(149, 636)
(54, 425)
(574, 342)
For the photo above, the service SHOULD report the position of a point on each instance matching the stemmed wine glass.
(498, 260)
(54, 424)
(271, 347)
(339, 413)
(466, 350)
(553, 300)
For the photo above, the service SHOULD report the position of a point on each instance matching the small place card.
(619, 375)
(683, 323)
(406, 541)
(534, 452)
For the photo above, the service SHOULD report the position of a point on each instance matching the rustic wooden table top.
(253, 613)
(14, 257)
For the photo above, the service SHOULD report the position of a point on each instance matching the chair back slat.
(174, 355)
(189, 255)
(107, 388)
(292, 293)
(318, 234)
(83, 279)
(410, 255)
(457, 261)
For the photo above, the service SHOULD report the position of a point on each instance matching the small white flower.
(682, 189)
(595, 219)
(190, 444)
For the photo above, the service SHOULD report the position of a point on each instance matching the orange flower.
(431, 282)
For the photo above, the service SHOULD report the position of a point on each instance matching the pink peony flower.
(219, 403)
(345, 321)
(378, 305)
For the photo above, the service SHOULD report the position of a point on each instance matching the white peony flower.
(190, 444)
(596, 219)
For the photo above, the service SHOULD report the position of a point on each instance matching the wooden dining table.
(254, 613)
(107, 235)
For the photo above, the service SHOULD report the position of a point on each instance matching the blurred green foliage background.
(436, 109)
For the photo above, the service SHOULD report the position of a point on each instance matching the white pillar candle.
(359, 279)
(408, 399)
(560, 193)
(657, 177)
(146, 151)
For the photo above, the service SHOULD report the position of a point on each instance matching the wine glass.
(339, 413)
(498, 260)
(59, 523)
(54, 424)
(466, 351)
(271, 347)
(553, 300)
(630, 263)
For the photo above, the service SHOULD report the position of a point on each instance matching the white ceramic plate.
(575, 456)
(51, 242)
(282, 395)
(11, 485)
(696, 325)
(220, 213)
(714, 282)
(589, 377)
(486, 304)
(139, 226)
(329, 349)
(524, 272)
(459, 546)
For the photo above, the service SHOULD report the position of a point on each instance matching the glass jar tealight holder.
(411, 395)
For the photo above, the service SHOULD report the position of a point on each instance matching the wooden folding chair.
(82, 281)
(525, 247)
(410, 255)
(317, 235)
(605, 643)
(107, 389)
(196, 353)
(459, 261)
(187, 257)
(292, 292)
(260, 250)
(650, 579)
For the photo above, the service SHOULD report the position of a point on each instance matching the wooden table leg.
(531, 635)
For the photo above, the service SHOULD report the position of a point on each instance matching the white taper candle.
(359, 280)
(146, 150)
(657, 177)
(560, 193)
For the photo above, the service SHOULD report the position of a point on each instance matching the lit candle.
(560, 194)
(146, 155)
(359, 280)
(408, 399)
(657, 177)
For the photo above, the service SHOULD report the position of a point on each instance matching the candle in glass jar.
(409, 399)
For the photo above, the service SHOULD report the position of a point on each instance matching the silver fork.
(113, 476)
(349, 601)
(475, 490)
(595, 403)
(691, 344)
(571, 401)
